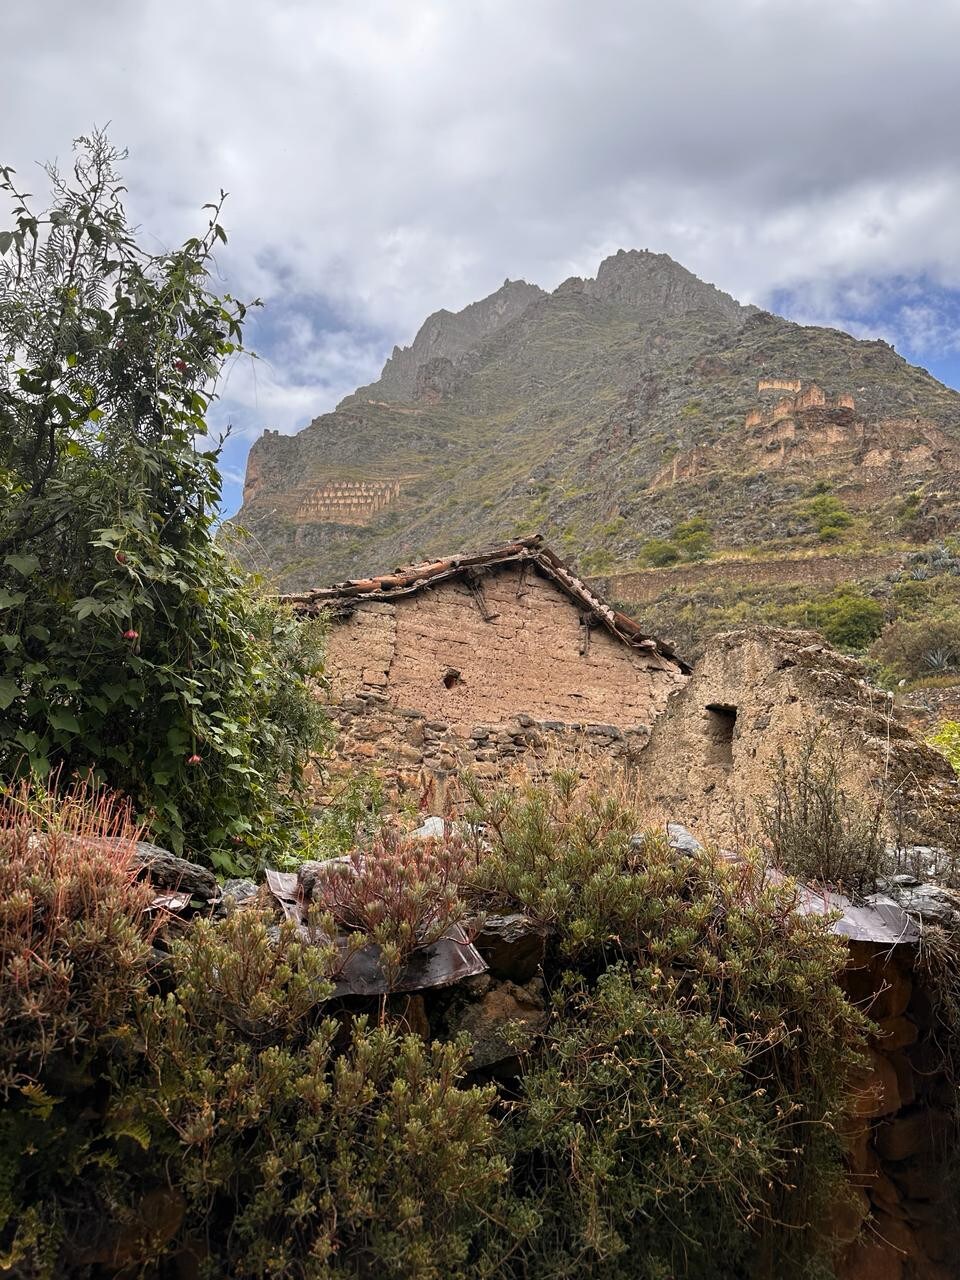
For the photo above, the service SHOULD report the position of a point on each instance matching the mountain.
(608, 414)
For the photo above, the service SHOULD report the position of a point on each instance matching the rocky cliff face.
(603, 414)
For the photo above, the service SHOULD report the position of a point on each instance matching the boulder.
(679, 838)
(919, 1133)
(165, 870)
(931, 904)
(234, 893)
(512, 945)
(875, 1088)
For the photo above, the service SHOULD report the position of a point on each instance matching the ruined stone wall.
(787, 406)
(779, 384)
(347, 501)
(420, 758)
(456, 673)
(900, 1223)
(757, 692)
(516, 646)
(647, 585)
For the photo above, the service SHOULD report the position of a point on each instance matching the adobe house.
(473, 660)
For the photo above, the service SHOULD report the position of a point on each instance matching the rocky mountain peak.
(654, 284)
(448, 334)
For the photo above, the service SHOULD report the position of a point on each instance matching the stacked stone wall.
(778, 384)
(347, 501)
(802, 402)
(421, 758)
(900, 1223)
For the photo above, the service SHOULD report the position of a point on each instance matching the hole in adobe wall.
(451, 678)
(720, 726)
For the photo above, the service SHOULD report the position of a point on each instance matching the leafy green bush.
(848, 619)
(694, 537)
(634, 1165)
(946, 739)
(828, 515)
(132, 647)
(659, 552)
(910, 649)
(675, 1116)
(303, 1144)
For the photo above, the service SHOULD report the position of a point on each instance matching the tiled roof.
(343, 597)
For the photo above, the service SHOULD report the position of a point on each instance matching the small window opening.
(451, 678)
(721, 723)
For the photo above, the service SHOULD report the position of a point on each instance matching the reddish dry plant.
(402, 892)
(74, 929)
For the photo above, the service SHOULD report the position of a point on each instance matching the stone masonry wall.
(900, 1222)
(347, 501)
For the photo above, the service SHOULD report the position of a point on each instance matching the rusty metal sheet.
(449, 960)
(174, 902)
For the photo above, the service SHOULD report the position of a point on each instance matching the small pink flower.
(131, 635)
(194, 759)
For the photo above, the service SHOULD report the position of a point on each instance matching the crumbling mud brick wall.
(479, 672)
(757, 692)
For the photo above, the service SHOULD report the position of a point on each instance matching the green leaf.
(24, 564)
(6, 240)
(86, 606)
(11, 599)
(61, 718)
(8, 691)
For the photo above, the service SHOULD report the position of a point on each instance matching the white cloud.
(385, 159)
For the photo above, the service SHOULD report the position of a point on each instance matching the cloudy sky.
(385, 159)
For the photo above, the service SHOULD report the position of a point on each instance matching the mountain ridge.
(606, 413)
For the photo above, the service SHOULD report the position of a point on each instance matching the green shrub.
(848, 619)
(620, 1141)
(946, 740)
(816, 828)
(659, 552)
(828, 515)
(912, 649)
(694, 538)
(304, 1144)
(133, 648)
(675, 1117)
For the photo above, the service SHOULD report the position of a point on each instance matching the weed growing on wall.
(816, 830)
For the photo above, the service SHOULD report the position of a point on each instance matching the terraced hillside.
(640, 420)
